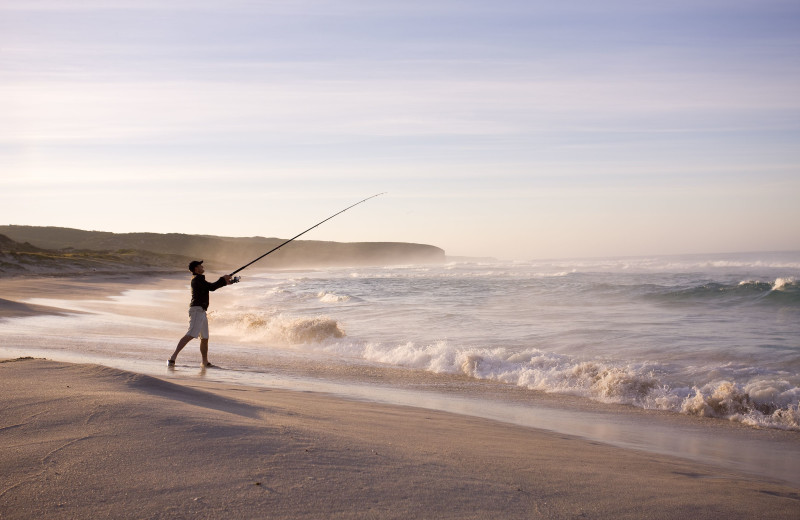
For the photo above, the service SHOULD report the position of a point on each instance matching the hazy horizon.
(514, 130)
(450, 255)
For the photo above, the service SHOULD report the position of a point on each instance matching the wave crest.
(761, 404)
(781, 291)
(782, 284)
(327, 297)
(310, 330)
(614, 382)
(277, 327)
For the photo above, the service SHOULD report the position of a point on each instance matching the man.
(198, 321)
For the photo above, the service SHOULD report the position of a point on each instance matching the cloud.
(100, 112)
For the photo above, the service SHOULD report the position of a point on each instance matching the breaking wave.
(763, 402)
(328, 297)
(772, 404)
(276, 327)
(785, 291)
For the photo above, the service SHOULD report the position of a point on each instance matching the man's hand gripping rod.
(236, 278)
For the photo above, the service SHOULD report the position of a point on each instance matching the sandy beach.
(89, 441)
(86, 441)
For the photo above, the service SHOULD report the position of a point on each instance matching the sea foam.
(328, 297)
(277, 327)
(763, 402)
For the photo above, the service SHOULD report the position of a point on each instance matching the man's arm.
(222, 282)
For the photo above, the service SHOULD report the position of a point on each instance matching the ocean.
(709, 336)
(682, 338)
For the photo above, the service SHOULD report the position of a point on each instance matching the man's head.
(196, 266)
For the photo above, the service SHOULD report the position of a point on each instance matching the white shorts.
(198, 323)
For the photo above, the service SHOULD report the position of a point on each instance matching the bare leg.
(182, 343)
(204, 350)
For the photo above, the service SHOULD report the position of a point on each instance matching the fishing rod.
(296, 236)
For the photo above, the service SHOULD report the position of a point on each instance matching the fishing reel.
(236, 279)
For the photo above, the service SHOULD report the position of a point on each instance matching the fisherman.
(198, 321)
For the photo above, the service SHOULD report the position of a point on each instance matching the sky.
(512, 129)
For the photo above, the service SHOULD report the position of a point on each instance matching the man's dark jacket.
(201, 288)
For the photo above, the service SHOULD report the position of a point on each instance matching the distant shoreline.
(38, 250)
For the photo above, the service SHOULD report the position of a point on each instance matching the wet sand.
(85, 441)
(15, 291)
